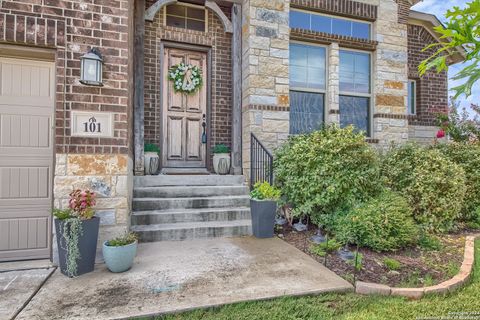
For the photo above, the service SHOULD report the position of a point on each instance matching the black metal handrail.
(261, 162)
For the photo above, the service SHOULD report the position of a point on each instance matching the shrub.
(433, 185)
(392, 264)
(466, 156)
(325, 171)
(383, 223)
(323, 248)
(264, 191)
(429, 242)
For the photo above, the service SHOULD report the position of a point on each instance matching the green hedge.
(384, 223)
(466, 156)
(433, 185)
(326, 171)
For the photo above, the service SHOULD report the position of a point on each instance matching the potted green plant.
(120, 252)
(77, 234)
(152, 159)
(263, 207)
(221, 159)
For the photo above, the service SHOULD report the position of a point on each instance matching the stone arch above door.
(154, 8)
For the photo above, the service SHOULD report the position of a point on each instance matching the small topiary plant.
(264, 191)
(221, 148)
(383, 223)
(467, 156)
(326, 171)
(433, 185)
(150, 147)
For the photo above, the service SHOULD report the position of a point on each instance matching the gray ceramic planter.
(119, 259)
(87, 244)
(263, 217)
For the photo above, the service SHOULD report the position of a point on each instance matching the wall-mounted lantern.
(91, 68)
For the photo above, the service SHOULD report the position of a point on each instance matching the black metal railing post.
(261, 162)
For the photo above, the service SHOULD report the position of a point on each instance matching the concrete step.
(192, 230)
(190, 215)
(188, 180)
(190, 191)
(142, 204)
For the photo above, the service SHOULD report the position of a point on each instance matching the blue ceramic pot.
(119, 259)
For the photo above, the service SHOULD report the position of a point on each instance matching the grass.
(348, 306)
(392, 264)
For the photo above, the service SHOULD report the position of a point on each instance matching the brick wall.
(432, 88)
(403, 11)
(72, 27)
(221, 94)
(347, 8)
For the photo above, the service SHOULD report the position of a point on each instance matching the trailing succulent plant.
(79, 208)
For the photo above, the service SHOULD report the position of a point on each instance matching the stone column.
(390, 74)
(332, 100)
(265, 81)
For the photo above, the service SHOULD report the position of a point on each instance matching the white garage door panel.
(27, 91)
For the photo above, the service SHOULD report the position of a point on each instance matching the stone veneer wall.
(265, 78)
(390, 76)
(219, 41)
(71, 27)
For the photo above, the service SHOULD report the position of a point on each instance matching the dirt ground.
(418, 267)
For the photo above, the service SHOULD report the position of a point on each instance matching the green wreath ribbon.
(186, 78)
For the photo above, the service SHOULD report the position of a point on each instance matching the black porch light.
(91, 68)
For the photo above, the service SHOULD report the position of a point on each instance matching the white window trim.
(414, 91)
(196, 6)
(336, 17)
(369, 134)
(315, 90)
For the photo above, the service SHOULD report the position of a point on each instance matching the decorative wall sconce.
(91, 68)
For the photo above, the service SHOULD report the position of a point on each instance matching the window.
(186, 17)
(307, 87)
(412, 97)
(355, 90)
(328, 24)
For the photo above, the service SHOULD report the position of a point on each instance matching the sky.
(439, 8)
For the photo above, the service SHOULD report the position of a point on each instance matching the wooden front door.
(183, 115)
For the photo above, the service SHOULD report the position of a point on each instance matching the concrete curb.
(460, 279)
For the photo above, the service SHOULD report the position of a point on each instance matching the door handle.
(204, 129)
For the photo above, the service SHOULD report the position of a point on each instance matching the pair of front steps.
(185, 207)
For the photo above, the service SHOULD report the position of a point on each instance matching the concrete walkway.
(19, 282)
(177, 276)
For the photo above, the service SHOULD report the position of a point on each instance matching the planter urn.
(221, 163)
(119, 258)
(151, 163)
(87, 245)
(263, 217)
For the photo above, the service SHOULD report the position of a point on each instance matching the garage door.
(27, 91)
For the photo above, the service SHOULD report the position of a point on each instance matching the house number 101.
(92, 126)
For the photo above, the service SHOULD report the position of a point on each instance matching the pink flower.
(441, 134)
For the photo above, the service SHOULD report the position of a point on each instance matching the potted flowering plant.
(221, 159)
(263, 207)
(120, 252)
(77, 233)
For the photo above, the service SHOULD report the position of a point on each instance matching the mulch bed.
(419, 267)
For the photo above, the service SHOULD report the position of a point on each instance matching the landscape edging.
(369, 288)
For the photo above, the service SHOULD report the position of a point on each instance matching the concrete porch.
(180, 275)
